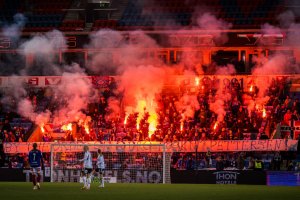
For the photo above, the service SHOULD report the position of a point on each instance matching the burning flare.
(146, 106)
(181, 126)
(152, 120)
(216, 125)
(197, 81)
(67, 127)
(125, 120)
(251, 88)
(42, 128)
(87, 128)
(264, 113)
(141, 107)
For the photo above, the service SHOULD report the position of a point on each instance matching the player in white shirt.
(100, 167)
(88, 168)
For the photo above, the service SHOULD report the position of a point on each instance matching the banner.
(199, 146)
(52, 81)
(203, 81)
(283, 178)
(249, 177)
(112, 176)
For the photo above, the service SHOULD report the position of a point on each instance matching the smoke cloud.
(42, 48)
(14, 30)
(210, 24)
(75, 92)
(140, 76)
(71, 97)
(26, 109)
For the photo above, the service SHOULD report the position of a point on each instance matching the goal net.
(124, 163)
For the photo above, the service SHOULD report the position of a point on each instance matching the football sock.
(88, 182)
(33, 176)
(38, 178)
(84, 181)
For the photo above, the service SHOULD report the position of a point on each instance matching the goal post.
(125, 163)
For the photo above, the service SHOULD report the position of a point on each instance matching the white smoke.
(14, 30)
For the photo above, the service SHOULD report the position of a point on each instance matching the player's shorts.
(36, 170)
(100, 170)
(87, 170)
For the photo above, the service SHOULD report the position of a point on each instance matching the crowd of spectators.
(235, 161)
(282, 108)
(179, 161)
(238, 121)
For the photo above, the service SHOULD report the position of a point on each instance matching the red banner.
(241, 81)
(52, 81)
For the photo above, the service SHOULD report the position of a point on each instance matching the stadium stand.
(282, 108)
(40, 16)
(175, 14)
(43, 16)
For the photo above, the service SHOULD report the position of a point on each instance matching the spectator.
(277, 161)
(251, 163)
(220, 164)
(287, 117)
(240, 162)
(258, 165)
(208, 158)
(263, 136)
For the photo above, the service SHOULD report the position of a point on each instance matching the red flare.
(216, 125)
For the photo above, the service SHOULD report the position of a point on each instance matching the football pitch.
(71, 191)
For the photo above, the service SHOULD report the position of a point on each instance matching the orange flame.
(181, 126)
(125, 120)
(264, 113)
(143, 106)
(152, 120)
(140, 109)
(42, 129)
(152, 128)
(251, 88)
(67, 127)
(86, 128)
(197, 81)
(216, 125)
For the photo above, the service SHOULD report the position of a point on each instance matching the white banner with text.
(188, 146)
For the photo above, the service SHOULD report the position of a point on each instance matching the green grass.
(71, 191)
